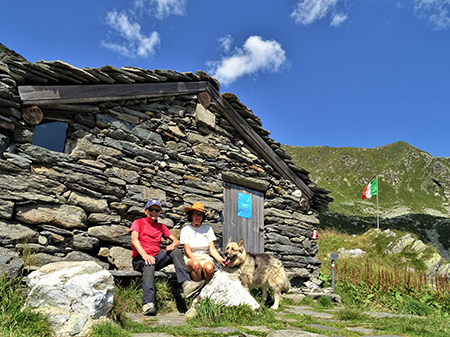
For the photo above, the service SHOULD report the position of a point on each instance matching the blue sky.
(359, 73)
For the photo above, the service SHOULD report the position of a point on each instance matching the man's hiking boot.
(191, 287)
(149, 309)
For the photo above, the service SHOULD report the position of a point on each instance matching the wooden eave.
(45, 95)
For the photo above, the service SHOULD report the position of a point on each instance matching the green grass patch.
(212, 314)
(307, 301)
(436, 326)
(325, 302)
(349, 314)
(16, 318)
(108, 329)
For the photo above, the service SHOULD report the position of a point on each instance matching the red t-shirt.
(150, 235)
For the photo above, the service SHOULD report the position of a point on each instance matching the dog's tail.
(286, 285)
(281, 278)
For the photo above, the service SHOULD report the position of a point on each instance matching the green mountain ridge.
(413, 194)
(409, 180)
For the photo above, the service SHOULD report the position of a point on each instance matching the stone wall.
(78, 205)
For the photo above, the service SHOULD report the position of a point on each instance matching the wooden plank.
(68, 94)
(257, 143)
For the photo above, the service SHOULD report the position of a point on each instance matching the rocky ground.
(177, 319)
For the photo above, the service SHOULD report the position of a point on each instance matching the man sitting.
(146, 234)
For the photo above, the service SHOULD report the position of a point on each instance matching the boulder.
(226, 289)
(77, 287)
(65, 323)
(400, 245)
(344, 253)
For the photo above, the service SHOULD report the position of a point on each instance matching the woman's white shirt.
(197, 238)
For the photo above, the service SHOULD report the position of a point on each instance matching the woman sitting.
(198, 240)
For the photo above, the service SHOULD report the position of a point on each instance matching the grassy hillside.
(414, 189)
(410, 180)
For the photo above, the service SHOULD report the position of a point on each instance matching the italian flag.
(370, 189)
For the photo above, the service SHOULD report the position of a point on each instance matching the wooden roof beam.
(91, 93)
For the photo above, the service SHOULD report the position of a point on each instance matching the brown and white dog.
(257, 270)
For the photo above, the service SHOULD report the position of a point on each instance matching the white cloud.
(434, 11)
(256, 55)
(309, 11)
(337, 19)
(162, 8)
(225, 42)
(135, 43)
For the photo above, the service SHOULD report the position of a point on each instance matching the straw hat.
(197, 206)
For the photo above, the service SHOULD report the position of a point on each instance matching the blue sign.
(244, 205)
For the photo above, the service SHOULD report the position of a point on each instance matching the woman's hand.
(222, 261)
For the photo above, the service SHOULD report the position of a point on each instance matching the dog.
(257, 270)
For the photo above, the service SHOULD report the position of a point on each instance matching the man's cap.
(153, 202)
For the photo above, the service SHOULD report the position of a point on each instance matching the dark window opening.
(51, 135)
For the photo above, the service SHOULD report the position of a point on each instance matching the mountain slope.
(410, 180)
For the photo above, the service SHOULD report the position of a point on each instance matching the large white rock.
(77, 287)
(225, 291)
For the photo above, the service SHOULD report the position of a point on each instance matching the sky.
(339, 73)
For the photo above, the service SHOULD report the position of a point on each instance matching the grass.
(17, 319)
(211, 314)
(325, 302)
(28, 256)
(354, 316)
(108, 329)
(374, 244)
(371, 283)
(350, 314)
(128, 299)
(382, 282)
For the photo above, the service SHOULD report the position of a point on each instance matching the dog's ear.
(229, 241)
(241, 243)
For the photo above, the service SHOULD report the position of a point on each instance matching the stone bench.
(124, 277)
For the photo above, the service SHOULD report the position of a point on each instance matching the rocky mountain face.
(414, 188)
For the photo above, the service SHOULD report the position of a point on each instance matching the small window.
(51, 136)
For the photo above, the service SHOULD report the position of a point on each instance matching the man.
(146, 234)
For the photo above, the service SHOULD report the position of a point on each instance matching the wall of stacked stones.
(79, 205)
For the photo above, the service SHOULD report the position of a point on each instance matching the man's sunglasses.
(154, 210)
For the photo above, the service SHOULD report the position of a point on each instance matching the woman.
(198, 240)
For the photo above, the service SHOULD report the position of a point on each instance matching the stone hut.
(131, 134)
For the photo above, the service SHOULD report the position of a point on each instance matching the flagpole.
(378, 221)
